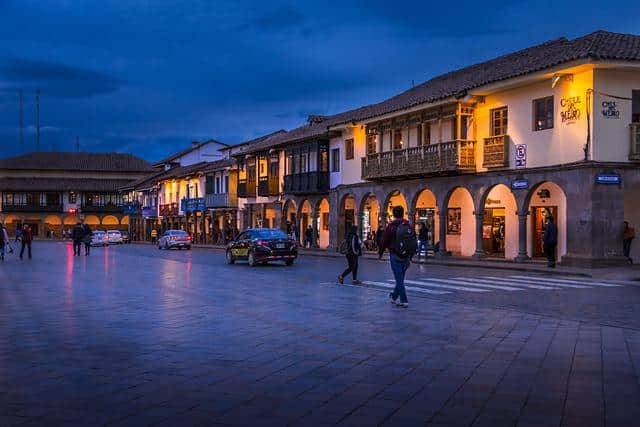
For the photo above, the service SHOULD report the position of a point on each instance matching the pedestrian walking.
(400, 239)
(154, 235)
(26, 239)
(76, 237)
(550, 241)
(308, 237)
(4, 241)
(18, 234)
(352, 248)
(379, 234)
(86, 239)
(423, 240)
(627, 237)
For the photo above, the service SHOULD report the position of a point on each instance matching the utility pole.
(21, 120)
(38, 120)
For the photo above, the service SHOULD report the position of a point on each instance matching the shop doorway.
(538, 216)
(493, 231)
(428, 217)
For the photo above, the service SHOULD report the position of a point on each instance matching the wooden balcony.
(169, 209)
(222, 200)
(634, 150)
(451, 156)
(268, 186)
(108, 208)
(306, 183)
(496, 152)
(242, 188)
(31, 208)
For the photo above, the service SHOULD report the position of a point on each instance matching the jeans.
(76, 247)
(399, 267)
(2, 245)
(353, 267)
(423, 246)
(550, 252)
(28, 244)
(626, 248)
(87, 248)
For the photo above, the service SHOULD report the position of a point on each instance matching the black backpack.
(406, 244)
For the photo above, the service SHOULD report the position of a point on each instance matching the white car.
(99, 238)
(174, 239)
(114, 237)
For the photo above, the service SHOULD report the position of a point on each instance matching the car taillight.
(188, 237)
(173, 237)
(262, 243)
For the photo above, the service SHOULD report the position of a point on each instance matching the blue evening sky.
(148, 77)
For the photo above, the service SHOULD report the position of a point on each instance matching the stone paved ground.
(134, 336)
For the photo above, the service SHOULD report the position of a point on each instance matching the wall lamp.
(556, 78)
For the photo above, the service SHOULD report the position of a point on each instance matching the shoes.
(402, 305)
(356, 282)
(341, 280)
(391, 300)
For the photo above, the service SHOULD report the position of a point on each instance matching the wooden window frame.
(349, 149)
(548, 121)
(504, 121)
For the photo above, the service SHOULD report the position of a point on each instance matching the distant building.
(52, 191)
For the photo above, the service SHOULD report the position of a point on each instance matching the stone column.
(479, 253)
(442, 244)
(315, 213)
(411, 216)
(522, 237)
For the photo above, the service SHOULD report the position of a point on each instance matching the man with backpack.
(27, 238)
(400, 239)
(76, 235)
(352, 248)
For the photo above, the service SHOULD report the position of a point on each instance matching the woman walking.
(353, 252)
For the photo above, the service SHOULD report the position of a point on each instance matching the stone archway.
(91, 220)
(370, 219)
(323, 227)
(110, 222)
(290, 215)
(545, 198)
(395, 198)
(458, 223)
(347, 215)
(305, 219)
(498, 232)
(425, 213)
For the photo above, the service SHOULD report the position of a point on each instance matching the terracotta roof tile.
(61, 184)
(71, 161)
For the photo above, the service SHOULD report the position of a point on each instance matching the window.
(348, 149)
(499, 121)
(324, 159)
(52, 199)
(335, 160)
(397, 139)
(303, 163)
(543, 113)
(424, 134)
(635, 106)
(226, 184)
(73, 197)
(217, 185)
(208, 184)
(371, 144)
(464, 127)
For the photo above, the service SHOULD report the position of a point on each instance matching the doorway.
(427, 216)
(493, 231)
(539, 214)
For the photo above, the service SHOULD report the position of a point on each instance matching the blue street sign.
(519, 184)
(608, 178)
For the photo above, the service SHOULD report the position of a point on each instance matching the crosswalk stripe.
(439, 285)
(510, 283)
(533, 281)
(473, 283)
(409, 288)
(583, 282)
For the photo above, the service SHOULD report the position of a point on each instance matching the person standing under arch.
(550, 241)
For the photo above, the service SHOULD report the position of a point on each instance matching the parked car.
(174, 239)
(126, 237)
(114, 237)
(261, 245)
(99, 238)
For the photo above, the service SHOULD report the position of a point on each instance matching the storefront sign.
(519, 184)
(608, 178)
(196, 204)
(610, 110)
(570, 109)
(131, 209)
(149, 211)
(521, 156)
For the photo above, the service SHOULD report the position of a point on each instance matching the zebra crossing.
(485, 284)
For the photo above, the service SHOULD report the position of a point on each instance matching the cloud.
(55, 79)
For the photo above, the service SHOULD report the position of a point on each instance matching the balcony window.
(73, 197)
(303, 163)
(499, 118)
(635, 106)
(372, 143)
(323, 165)
(397, 139)
(52, 199)
(217, 185)
(543, 113)
(348, 149)
(226, 184)
(335, 160)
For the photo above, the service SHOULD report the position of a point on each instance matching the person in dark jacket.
(86, 239)
(423, 237)
(27, 238)
(308, 237)
(550, 241)
(399, 265)
(76, 236)
(628, 234)
(354, 251)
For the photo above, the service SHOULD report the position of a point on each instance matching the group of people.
(399, 239)
(81, 234)
(24, 235)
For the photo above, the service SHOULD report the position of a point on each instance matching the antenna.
(77, 144)
(21, 120)
(38, 120)
(412, 84)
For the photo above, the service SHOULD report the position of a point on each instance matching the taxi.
(261, 245)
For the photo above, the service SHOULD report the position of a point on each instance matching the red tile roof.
(72, 161)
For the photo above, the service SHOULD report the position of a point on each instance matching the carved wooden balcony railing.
(221, 200)
(496, 152)
(169, 209)
(306, 183)
(634, 152)
(451, 156)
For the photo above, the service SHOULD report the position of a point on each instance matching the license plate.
(280, 246)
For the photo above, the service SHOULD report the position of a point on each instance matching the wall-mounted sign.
(519, 184)
(521, 156)
(570, 109)
(610, 110)
(454, 220)
(608, 178)
(493, 202)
